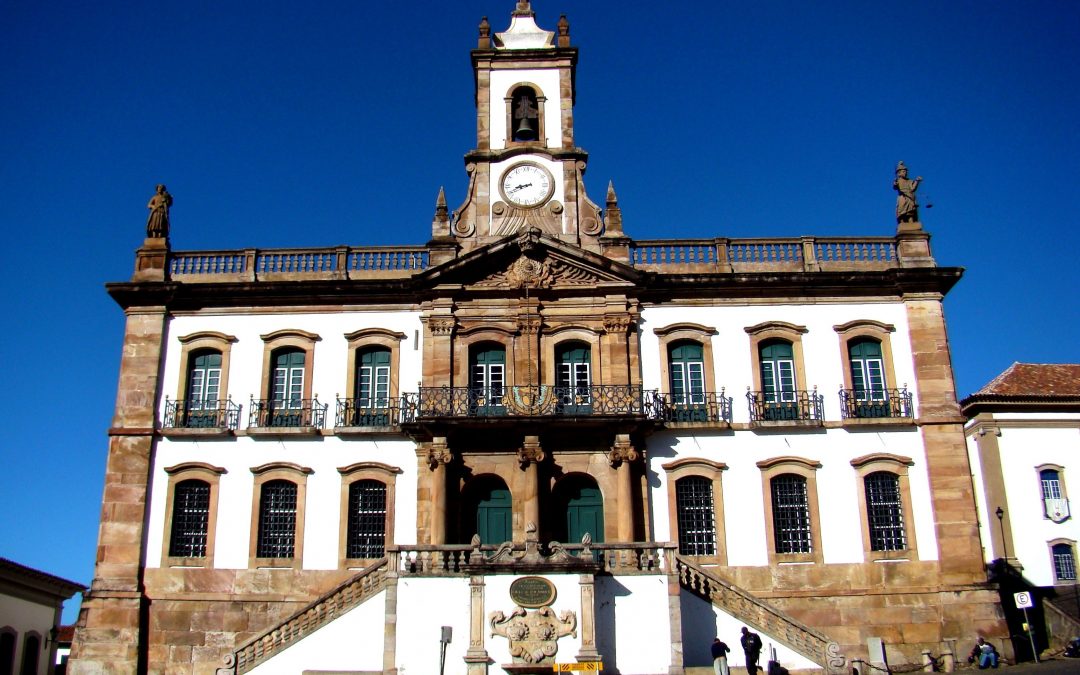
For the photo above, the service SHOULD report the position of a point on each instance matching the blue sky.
(314, 124)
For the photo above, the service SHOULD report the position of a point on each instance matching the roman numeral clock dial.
(527, 185)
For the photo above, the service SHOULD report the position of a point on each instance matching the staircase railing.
(757, 613)
(322, 611)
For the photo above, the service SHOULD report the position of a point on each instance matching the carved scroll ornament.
(533, 636)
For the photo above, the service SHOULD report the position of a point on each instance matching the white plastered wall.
(837, 481)
(322, 454)
(25, 616)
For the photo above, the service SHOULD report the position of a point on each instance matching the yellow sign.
(588, 666)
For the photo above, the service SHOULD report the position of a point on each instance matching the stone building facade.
(539, 427)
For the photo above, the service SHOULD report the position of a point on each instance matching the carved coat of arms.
(533, 635)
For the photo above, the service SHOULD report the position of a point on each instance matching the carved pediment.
(532, 259)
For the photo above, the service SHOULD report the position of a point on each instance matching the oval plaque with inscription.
(532, 592)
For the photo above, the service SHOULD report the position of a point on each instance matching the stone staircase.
(752, 611)
(322, 611)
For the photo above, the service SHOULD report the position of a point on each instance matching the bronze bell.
(524, 131)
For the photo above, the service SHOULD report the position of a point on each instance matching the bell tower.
(525, 171)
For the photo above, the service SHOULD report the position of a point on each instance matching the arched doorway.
(580, 509)
(487, 509)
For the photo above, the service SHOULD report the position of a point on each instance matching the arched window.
(777, 361)
(190, 519)
(687, 373)
(287, 388)
(885, 512)
(31, 655)
(573, 378)
(7, 650)
(1064, 562)
(1055, 501)
(867, 370)
(697, 523)
(277, 520)
(487, 378)
(203, 389)
(366, 528)
(791, 514)
(524, 115)
(373, 378)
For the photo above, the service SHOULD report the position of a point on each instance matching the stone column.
(438, 457)
(620, 457)
(588, 619)
(529, 456)
(110, 635)
(615, 363)
(476, 657)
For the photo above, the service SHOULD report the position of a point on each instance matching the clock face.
(527, 185)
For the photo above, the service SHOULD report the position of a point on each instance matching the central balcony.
(604, 400)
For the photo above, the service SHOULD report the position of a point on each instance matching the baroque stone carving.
(534, 635)
(442, 326)
(618, 323)
(528, 272)
(438, 454)
(622, 453)
(463, 227)
(530, 455)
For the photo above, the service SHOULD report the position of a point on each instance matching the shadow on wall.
(698, 630)
(607, 589)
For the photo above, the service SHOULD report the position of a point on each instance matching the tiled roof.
(1035, 379)
(14, 571)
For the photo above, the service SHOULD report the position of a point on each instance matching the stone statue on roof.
(907, 208)
(157, 224)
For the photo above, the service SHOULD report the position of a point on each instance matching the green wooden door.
(493, 516)
(584, 513)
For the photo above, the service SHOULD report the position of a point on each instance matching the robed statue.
(907, 208)
(157, 224)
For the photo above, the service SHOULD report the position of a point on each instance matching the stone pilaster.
(956, 522)
(587, 625)
(110, 632)
(438, 347)
(994, 494)
(621, 456)
(476, 657)
(438, 456)
(613, 344)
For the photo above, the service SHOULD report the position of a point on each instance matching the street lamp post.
(1001, 524)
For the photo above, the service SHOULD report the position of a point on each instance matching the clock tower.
(525, 172)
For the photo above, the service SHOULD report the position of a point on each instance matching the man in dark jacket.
(751, 646)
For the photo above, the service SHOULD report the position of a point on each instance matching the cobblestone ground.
(1055, 666)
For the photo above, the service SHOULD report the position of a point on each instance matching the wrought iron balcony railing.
(876, 403)
(785, 406)
(702, 407)
(188, 414)
(295, 413)
(535, 400)
(367, 412)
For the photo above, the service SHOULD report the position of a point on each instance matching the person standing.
(719, 656)
(751, 645)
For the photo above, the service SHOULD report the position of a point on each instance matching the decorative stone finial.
(157, 224)
(441, 213)
(484, 41)
(524, 8)
(613, 214)
(907, 207)
(563, 28)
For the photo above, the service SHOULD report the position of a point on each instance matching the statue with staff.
(157, 224)
(907, 208)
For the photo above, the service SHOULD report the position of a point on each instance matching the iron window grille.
(1064, 563)
(791, 514)
(885, 512)
(191, 519)
(694, 508)
(277, 520)
(366, 532)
